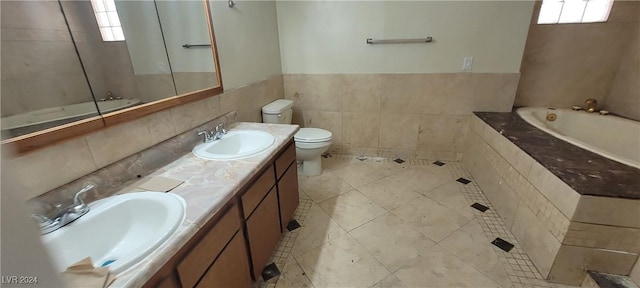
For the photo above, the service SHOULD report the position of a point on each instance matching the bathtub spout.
(592, 105)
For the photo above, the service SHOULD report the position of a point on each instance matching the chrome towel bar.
(398, 41)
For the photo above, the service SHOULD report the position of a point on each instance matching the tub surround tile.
(568, 267)
(585, 172)
(603, 236)
(599, 210)
(539, 243)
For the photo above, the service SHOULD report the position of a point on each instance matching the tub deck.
(586, 172)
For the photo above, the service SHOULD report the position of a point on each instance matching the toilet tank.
(278, 112)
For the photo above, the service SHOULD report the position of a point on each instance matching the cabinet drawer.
(198, 260)
(231, 269)
(256, 192)
(285, 159)
(263, 231)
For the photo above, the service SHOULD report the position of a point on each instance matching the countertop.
(585, 172)
(208, 186)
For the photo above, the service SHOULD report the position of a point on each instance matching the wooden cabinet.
(231, 269)
(263, 231)
(197, 261)
(288, 195)
(221, 254)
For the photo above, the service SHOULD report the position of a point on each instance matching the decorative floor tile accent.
(270, 271)
(398, 160)
(479, 207)
(293, 225)
(439, 163)
(502, 244)
(463, 180)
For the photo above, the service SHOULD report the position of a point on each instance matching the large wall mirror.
(69, 67)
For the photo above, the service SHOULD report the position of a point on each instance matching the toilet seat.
(312, 135)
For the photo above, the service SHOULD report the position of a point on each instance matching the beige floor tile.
(391, 241)
(352, 209)
(387, 167)
(431, 218)
(292, 276)
(390, 282)
(471, 245)
(358, 174)
(302, 195)
(323, 186)
(423, 179)
(450, 196)
(389, 193)
(439, 268)
(342, 262)
(333, 163)
(317, 229)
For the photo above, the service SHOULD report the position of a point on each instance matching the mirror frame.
(39, 139)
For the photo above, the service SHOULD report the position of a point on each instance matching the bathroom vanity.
(235, 244)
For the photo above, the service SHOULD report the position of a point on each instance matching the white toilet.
(310, 142)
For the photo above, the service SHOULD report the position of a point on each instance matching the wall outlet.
(467, 63)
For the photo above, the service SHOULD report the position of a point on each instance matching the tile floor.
(377, 223)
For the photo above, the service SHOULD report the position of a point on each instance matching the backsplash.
(48, 168)
(412, 116)
(114, 177)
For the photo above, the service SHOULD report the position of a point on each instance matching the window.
(574, 11)
(108, 21)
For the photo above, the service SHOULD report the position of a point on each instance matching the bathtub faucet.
(592, 104)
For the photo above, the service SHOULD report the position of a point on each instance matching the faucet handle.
(77, 200)
(220, 129)
(43, 221)
(207, 136)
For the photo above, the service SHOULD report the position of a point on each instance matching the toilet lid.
(311, 135)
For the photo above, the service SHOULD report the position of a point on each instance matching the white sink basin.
(118, 231)
(235, 144)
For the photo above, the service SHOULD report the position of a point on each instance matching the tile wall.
(46, 53)
(60, 163)
(563, 232)
(565, 64)
(412, 116)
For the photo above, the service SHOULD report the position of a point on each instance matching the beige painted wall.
(624, 97)
(247, 37)
(327, 37)
(565, 64)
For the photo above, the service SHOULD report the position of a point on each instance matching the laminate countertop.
(208, 186)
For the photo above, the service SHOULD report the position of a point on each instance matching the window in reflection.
(108, 20)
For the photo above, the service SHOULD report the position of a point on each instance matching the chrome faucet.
(213, 135)
(66, 215)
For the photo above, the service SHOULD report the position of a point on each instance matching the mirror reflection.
(132, 52)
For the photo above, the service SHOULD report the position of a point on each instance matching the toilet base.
(312, 167)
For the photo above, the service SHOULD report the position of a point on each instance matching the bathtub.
(613, 137)
(32, 121)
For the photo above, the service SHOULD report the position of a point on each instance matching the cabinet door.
(288, 195)
(263, 229)
(231, 269)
